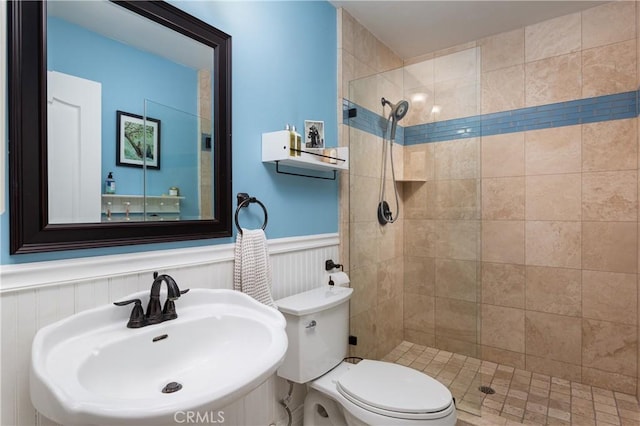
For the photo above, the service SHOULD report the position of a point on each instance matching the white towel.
(252, 268)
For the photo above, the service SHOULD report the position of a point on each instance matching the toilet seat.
(395, 391)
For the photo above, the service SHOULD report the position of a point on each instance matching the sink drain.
(172, 387)
(487, 389)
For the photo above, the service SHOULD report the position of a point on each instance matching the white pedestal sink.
(89, 369)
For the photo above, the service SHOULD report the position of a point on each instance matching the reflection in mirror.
(111, 73)
(122, 82)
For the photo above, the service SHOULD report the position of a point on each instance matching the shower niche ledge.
(410, 179)
(276, 149)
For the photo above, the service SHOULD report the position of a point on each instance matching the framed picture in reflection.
(137, 141)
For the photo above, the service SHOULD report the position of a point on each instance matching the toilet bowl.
(377, 393)
(369, 392)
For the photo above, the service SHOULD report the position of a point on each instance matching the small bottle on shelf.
(110, 184)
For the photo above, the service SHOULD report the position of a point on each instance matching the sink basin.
(89, 369)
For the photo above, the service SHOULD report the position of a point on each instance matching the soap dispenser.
(110, 184)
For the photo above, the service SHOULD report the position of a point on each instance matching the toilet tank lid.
(315, 300)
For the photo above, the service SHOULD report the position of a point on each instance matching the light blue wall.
(284, 71)
(129, 77)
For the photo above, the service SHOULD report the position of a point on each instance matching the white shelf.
(148, 197)
(124, 207)
(276, 149)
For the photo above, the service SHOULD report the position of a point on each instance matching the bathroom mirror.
(168, 192)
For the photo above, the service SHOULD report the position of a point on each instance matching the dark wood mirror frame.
(28, 190)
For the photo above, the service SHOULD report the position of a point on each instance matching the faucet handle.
(128, 302)
(136, 320)
(169, 309)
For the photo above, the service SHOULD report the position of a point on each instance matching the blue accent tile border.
(590, 110)
(368, 121)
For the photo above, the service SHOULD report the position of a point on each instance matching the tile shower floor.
(520, 397)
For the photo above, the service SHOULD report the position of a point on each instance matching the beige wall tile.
(553, 37)
(421, 101)
(364, 244)
(609, 347)
(390, 275)
(501, 356)
(607, 380)
(503, 241)
(609, 23)
(420, 238)
(462, 65)
(610, 296)
(553, 197)
(553, 244)
(503, 198)
(503, 328)
(554, 337)
(419, 200)
(610, 246)
(365, 290)
(503, 155)
(457, 279)
(559, 369)
(420, 337)
(609, 69)
(457, 199)
(419, 275)
(503, 284)
(347, 30)
(503, 89)
(462, 347)
(363, 326)
(366, 154)
(363, 198)
(555, 79)
(457, 159)
(389, 332)
(554, 290)
(456, 319)
(421, 74)
(419, 313)
(556, 150)
(391, 238)
(419, 161)
(502, 50)
(610, 145)
(456, 98)
(457, 239)
(610, 196)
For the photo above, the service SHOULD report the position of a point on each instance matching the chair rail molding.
(34, 275)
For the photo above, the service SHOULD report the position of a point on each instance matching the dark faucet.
(154, 314)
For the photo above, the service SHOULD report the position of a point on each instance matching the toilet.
(341, 393)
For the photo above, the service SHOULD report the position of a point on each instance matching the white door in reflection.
(74, 150)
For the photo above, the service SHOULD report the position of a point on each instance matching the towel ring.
(243, 201)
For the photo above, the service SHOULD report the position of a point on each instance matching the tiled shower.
(517, 241)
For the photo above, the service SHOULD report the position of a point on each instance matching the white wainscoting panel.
(34, 295)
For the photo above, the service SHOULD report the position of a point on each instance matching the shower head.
(398, 111)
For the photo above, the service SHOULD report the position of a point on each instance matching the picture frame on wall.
(137, 141)
(314, 134)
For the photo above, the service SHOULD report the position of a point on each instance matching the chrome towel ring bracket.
(243, 201)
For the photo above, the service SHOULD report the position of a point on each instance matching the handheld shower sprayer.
(398, 111)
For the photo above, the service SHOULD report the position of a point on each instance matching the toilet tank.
(318, 332)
